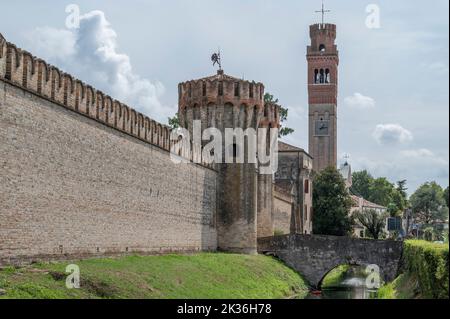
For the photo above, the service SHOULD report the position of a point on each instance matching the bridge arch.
(325, 275)
(314, 255)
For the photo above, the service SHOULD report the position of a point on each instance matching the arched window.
(322, 76)
(236, 89)
(220, 88)
(327, 76)
(322, 48)
(196, 114)
(306, 187)
(316, 76)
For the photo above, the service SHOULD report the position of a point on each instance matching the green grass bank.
(204, 275)
(425, 273)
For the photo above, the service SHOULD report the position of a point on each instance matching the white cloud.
(52, 43)
(424, 154)
(357, 100)
(391, 134)
(439, 67)
(91, 54)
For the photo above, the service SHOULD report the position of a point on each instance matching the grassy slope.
(404, 287)
(172, 276)
(423, 255)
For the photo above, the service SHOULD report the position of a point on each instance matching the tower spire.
(323, 11)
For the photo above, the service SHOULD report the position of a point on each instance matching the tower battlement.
(322, 27)
(221, 88)
(323, 38)
(223, 101)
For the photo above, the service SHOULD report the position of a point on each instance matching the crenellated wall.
(21, 68)
(82, 174)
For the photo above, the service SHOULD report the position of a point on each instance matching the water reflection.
(352, 286)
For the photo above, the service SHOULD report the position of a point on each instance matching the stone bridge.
(315, 256)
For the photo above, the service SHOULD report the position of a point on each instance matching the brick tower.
(323, 61)
(244, 209)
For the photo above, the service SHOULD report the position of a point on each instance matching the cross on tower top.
(323, 11)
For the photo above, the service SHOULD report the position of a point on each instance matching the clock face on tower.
(322, 128)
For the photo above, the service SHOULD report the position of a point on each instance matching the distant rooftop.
(284, 147)
(365, 203)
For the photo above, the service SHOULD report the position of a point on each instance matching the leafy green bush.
(429, 262)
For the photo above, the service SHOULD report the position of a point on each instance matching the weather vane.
(323, 11)
(216, 59)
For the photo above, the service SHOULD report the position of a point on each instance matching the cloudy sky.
(393, 94)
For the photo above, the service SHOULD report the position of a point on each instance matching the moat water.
(352, 286)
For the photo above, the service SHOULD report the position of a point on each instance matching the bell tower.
(323, 61)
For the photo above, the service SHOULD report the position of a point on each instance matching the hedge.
(429, 262)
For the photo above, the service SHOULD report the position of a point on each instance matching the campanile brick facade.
(323, 61)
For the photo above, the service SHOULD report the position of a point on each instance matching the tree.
(428, 233)
(284, 131)
(428, 204)
(174, 122)
(373, 221)
(332, 203)
(392, 209)
(446, 196)
(381, 192)
(398, 201)
(401, 188)
(400, 196)
(361, 183)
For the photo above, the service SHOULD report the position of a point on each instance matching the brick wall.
(72, 186)
(282, 213)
